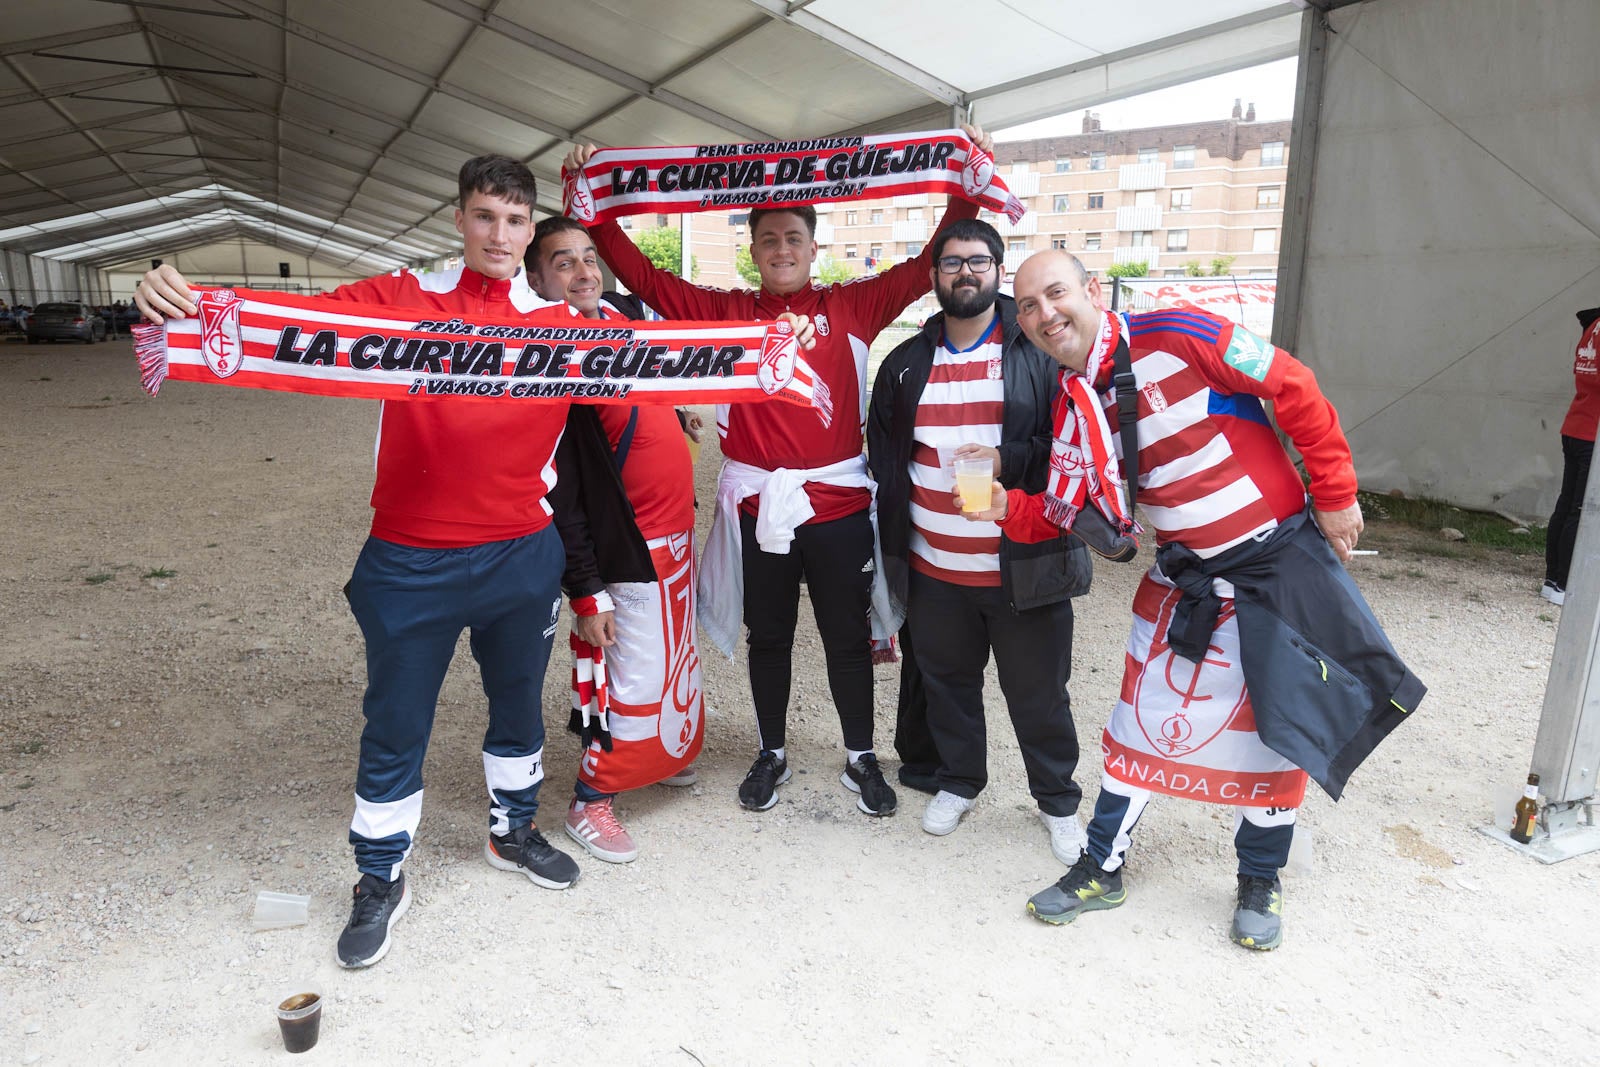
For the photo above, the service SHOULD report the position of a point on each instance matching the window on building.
(1097, 200)
(1059, 241)
(1144, 238)
(1272, 154)
(661, 220)
(1177, 240)
(1144, 198)
(914, 214)
(1017, 244)
(1269, 196)
(877, 216)
(1174, 272)
(1063, 166)
(849, 251)
(849, 218)
(1182, 199)
(1091, 242)
(1097, 161)
(1147, 155)
(1060, 203)
(626, 222)
(1183, 156)
(913, 248)
(1265, 241)
(876, 253)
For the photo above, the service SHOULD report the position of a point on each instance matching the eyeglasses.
(976, 264)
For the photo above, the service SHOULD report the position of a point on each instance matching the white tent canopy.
(338, 127)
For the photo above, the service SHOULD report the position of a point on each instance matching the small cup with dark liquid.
(300, 1019)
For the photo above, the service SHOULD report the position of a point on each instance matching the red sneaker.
(593, 824)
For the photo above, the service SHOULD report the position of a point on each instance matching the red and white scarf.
(771, 174)
(301, 344)
(1083, 457)
(589, 697)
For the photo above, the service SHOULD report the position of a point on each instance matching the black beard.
(967, 301)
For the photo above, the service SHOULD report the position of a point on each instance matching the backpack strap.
(1127, 415)
(625, 442)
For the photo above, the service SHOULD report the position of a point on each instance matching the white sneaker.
(944, 813)
(1553, 593)
(685, 777)
(1067, 836)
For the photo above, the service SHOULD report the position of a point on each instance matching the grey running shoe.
(759, 790)
(377, 906)
(525, 849)
(1084, 888)
(1258, 920)
(866, 778)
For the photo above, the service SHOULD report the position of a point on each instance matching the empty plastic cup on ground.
(275, 911)
(974, 481)
(300, 1021)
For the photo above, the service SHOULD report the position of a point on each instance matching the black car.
(66, 321)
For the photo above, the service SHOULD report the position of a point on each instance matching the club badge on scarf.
(1083, 457)
(767, 174)
(329, 347)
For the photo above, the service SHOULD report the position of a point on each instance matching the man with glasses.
(970, 386)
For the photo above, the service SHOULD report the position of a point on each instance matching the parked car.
(66, 321)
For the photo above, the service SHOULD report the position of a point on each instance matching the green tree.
(663, 246)
(1221, 265)
(1193, 269)
(746, 266)
(830, 270)
(1128, 270)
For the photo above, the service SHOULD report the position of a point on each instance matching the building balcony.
(910, 230)
(1138, 254)
(824, 232)
(1014, 258)
(1139, 217)
(1022, 186)
(1138, 176)
(1026, 226)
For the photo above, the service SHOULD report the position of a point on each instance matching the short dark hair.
(969, 230)
(499, 176)
(546, 228)
(806, 213)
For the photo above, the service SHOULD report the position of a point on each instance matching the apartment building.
(1165, 196)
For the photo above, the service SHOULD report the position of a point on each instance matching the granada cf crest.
(220, 345)
(575, 194)
(978, 172)
(822, 325)
(776, 367)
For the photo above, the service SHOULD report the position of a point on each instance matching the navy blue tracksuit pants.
(412, 604)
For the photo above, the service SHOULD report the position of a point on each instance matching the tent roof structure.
(335, 130)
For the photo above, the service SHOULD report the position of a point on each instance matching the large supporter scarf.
(1083, 457)
(326, 347)
(772, 174)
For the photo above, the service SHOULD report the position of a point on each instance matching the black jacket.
(1031, 575)
(1324, 681)
(592, 512)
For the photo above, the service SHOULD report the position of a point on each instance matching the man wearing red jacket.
(459, 541)
(813, 520)
(1213, 480)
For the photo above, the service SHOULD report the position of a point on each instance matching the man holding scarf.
(813, 520)
(627, 520)
(453, 546)
(971, 386)
(1252, 660)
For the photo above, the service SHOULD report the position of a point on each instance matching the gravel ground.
(179, 710)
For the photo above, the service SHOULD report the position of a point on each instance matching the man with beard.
(971, 386)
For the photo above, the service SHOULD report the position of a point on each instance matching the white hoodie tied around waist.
(784, 507)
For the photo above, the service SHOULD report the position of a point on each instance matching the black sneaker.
(923, 779)
(866, 778)
(759, 790)
(1086, 887)
(1258, 919)
(525, 849)
(378, 906)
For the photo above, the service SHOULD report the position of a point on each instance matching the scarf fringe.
(150, 348)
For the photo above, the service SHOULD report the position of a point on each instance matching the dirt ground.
(179, 710)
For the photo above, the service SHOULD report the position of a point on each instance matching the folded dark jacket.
(1324, 681)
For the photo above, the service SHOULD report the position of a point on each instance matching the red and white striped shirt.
(1212, 472)
(963, 403)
